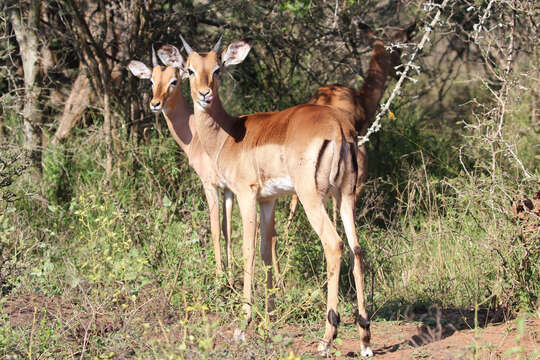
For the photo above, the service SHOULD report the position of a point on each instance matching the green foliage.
(298, 7)
(431, 234)
(123, 267)
(56, 172)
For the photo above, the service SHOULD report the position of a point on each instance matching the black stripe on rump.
(354, 153)
(354, 159)
(319, 158)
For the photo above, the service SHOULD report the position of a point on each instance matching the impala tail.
(336, 158)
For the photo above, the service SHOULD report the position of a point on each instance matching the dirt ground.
(401, 340)
(440, 335)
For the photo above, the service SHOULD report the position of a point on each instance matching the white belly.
(277, 187)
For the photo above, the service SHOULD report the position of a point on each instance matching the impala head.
(390, 58)
(400, 37)
(165, 79)
(203, 69)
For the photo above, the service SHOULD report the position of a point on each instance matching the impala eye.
(216, 72)
(190, 72)
(173, 82)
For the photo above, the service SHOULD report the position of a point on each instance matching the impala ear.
(171, 56)
(139, 69)
(411, 30)
(406, 34)
(366, 29)
(236, 52)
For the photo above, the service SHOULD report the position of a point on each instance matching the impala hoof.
(367, 352)
(323, 349)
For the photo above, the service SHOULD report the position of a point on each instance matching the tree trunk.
(74, 107)
(27, 37)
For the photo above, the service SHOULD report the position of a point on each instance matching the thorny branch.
(376, 126)
(10, 168)
(501, 95)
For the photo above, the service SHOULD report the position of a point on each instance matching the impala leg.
(268, 239)
(213, 206)
(248, 210)
(334, 210)
(228, 201)
(275, 264)
(362, 157)
(347, 217)
(292, 209)
(333, 246)
(347, 204)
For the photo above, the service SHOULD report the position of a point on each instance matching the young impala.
(308, 149)
(363, 103)
(168, 98)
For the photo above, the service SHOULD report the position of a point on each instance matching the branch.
(101, 55)
(376, 126)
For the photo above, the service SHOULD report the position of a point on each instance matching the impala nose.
(206, 95)
(155, 106)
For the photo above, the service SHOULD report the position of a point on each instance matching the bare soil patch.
(449, 336)
(402, 340)
(29, 309)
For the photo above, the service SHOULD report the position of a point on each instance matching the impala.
(308, 149)
(363, 103)
(168, 98)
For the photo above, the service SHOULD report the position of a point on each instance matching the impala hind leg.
(333, 246)
(362, 160)
(347, 209)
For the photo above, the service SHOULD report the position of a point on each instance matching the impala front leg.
(228, 198)
(292, 209)
(248, 209)
(210, 192)
(275, 263)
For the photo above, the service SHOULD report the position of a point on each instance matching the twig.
(478, 27)
(174, 281)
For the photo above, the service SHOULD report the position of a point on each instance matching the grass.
(125, 269)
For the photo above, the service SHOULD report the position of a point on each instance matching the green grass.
(125, 268)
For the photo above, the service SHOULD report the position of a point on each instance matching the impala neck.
(380, 67)
(213, 125)
(177, 115)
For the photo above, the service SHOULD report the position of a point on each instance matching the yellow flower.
(391, 115)
(292, 356)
